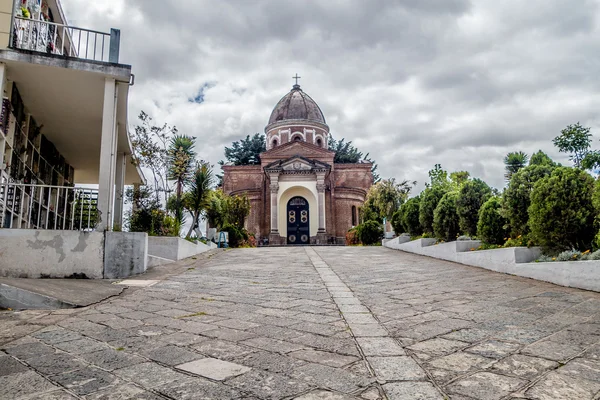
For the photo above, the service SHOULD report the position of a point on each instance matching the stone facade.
(298, 165)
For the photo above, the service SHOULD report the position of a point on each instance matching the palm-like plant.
(196, 199)
(181, 157)
(513, 162)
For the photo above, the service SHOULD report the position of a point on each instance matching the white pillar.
(120, 189)
(321, 202)
(2, 85)
(108, 149)
(274, 214)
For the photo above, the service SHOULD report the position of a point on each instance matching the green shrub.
(569, 255)
(410, 216)
(396, 222)
(236, 235)
(491, 225)
(595, 256)
(445, 221)
(517, 197)
(352, 237)
(429, 201)
(369, 232)
(561, 211)
(471, 197)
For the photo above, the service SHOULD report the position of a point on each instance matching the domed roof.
(296, 105)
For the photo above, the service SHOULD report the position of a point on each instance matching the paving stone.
(272, 362)
(55, 363)
(236, 324)
(559, 386)
(198, 389)
(401, 368)
(222, 349)
(437, 346)
(110, 359)
(582, 369)
(9, 365)
(22, 384)
(121, 323)
(331, 378)
(81, 346)
(273, 345)
(359, 318)
(182, 338)
(372, 393)
(486, 386)
(494, 349)
(85, 381)
(319, 329)
(30, 350)
(552, 350)
(171, 355)
(412, 390)
(320, 394)
(380, 346)
(53, 395)
(368, 330)
(58, 335)
(213, 368)
(150, 374)
(323, 357)
(460, 362)
(232, 335)
(523, 366)
(123, 392)
(332, 344)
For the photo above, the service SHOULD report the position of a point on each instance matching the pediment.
(297, 164)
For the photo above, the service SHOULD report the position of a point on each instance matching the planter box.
(175, 248)
(512, 260)
(395, 242)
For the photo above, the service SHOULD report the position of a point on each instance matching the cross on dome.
(296, 86)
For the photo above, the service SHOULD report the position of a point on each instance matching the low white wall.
(512, 260)
(395, 242)
(28, 253)
(174, 248)
(125, 254)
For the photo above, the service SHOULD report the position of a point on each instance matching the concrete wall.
(174, 248)
(6, 7)
(517, 261)
(125, 254)
(27, 253)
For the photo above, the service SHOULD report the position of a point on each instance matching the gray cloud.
(412, 82)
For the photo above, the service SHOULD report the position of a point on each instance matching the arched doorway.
(298, 222)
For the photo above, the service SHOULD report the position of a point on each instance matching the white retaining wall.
(513, 260)
(175, 248)
(28, 253)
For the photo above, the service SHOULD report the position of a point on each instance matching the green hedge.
(445, 221)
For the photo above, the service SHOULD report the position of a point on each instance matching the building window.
(274, 143)
(319, 142)
(354, 216)
(297, 138)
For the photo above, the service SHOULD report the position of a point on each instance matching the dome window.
(274, 144)
(319, 142)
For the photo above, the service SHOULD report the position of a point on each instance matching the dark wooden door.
(298, 225)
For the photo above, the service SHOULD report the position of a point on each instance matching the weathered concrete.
(174, 248)
(125, 254)
(28, 253)
(321, 323)
(54, 293)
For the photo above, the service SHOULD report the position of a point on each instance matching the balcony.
(68, 41)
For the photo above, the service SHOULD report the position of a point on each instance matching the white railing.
(25, 206)
(48, 37)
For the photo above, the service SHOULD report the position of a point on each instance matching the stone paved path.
(313, 323)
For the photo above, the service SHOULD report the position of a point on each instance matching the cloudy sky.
(413, 82)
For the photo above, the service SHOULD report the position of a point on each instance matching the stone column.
(274, 206)
(321, 202)
(119, 189)
(2, 85)
(108, 148)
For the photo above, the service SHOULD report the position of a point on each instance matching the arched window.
(274, 142)
(298, 139)
(354, 216)
(319, 142)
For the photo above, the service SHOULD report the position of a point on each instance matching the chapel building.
(298, 194)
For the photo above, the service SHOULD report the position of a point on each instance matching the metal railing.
(51, 38)
(26, 206)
